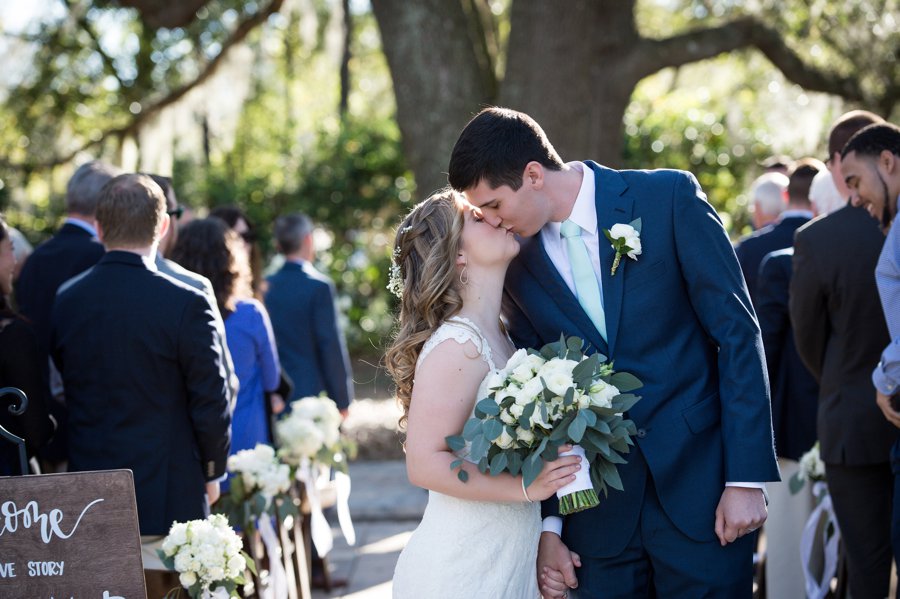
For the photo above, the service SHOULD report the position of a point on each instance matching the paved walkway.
(385, 510)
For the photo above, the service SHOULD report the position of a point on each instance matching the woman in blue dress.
(208, 247)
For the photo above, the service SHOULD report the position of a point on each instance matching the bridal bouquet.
(312, 431)
(259, 479)
(207, 556)
(544, 399)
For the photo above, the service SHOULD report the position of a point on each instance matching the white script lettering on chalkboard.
(30, 515)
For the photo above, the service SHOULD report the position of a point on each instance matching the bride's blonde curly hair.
(425, 251)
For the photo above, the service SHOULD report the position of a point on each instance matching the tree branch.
(82, 21)
(172, 97)
(654, 55)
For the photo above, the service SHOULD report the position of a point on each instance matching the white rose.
(537, 419)
(557, 365)
(504, 441)
(525, 436)
(516, 410)
(522, 374)
(631, 236)
(187, 579)
(494, 380)
(516, 359)
(602, 394)
(506, 417)
(236, 564)
(531, 390)
(559, 382)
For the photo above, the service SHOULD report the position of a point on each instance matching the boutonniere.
(626, 240)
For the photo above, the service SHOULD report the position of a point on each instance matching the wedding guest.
(21, 248)
(824, 195)
(141, 360)
(208, 247)
(237, 220)
(301, 301)
(794, 394)
(840, 333)
(871, 168)
(769, 193)
(20, 367)
(73, 249)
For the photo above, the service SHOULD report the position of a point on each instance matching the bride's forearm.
(433, 473)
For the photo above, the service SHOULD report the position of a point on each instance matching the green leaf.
(455, 442)
(613, 479)
(488, 406)
(531, 468)
(614, 458)
(589, 417)
(455, 464)
(462, 475)
(636, 224)
(251, 565)
(624, 382)
(525, 418)
(480, 446)
(577, 428)
(625, 401)
(515, 463)
(574, 344)
(796, 484)
(472, 429)
(492, 429)
(498, 463)
(562, 428)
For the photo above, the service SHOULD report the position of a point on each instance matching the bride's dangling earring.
(464, 276)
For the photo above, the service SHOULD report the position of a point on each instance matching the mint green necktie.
(586, 287)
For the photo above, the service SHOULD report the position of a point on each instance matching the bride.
(478, 538)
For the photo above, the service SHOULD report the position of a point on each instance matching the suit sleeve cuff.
(760, 486)
(552, 524)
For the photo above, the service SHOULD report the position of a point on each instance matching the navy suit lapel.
(535, 258)
(612, 208)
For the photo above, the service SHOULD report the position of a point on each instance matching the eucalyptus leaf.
(796, 484)
(498, 463)
(455, 464)
(462, 475)
(472, 429)
(515, 463)
(625, 401)
(589, 417)
(624, 382)
(530, 471)
(492, 429)
(479, 448)
(577, 428)
(488, 406)
(613, 479)
(455, 442)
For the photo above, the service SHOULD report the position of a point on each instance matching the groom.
(679, 318)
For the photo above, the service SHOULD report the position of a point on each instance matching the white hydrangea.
(299, 438)
(260, 470)
(205, 552)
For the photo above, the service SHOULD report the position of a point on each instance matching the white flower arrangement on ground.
(542, 400)
(812, 468)
(207, 556)
(259, 479)
(312, 431)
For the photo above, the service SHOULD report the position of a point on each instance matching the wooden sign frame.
(70, 536)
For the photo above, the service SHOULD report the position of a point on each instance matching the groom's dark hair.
(495, 147)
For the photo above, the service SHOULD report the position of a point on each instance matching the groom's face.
(523, 211)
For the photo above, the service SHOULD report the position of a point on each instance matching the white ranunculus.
(559, 382)
(525, 436)
(531, 390)
(506, 417)
(522, 374)
(517, 358)
(504, 441)
(557, 365)
(534, 361)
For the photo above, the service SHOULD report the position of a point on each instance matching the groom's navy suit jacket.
(679, 318)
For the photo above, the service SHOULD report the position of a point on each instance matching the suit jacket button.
(641, 433)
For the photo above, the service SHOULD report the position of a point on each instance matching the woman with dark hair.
(238, 222)
(208, 247)
(20, 367)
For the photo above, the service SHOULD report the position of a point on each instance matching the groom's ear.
(533, 175)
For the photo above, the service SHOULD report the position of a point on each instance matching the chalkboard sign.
(70, 536)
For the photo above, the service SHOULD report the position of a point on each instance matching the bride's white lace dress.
(469, 549)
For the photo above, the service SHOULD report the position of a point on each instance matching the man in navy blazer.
(680, 319)
(73, 249)
(300, 301)
(141, 359)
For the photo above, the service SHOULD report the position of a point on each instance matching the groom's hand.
(741, 511)
(556, 566)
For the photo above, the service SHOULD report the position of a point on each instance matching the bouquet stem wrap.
(579, 494)
(342, 484)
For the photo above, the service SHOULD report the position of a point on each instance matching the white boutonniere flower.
(625, 240)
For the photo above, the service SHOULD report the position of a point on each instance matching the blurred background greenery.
(347, 110)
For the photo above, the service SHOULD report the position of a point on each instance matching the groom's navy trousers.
(680, 319)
